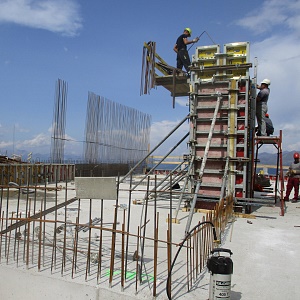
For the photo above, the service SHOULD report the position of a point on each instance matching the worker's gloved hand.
(195, 40)
(293, 172)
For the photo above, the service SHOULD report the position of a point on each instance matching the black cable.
(200, 37)
(179, 249)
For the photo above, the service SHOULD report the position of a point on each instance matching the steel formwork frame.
(221, 142)
(225, 75)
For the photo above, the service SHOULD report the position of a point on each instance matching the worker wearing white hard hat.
(262, 106)
(183, 58)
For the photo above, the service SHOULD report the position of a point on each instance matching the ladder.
(201, 172)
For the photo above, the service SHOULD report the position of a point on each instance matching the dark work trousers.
(183, 60)
(292, 183)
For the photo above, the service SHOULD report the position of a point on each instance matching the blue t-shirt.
(264, 95)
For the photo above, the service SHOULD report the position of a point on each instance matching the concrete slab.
(266, 251)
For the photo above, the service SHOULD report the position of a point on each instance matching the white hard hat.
(266, 81)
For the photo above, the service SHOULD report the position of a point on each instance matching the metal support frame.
(276, 141)
(201, 172)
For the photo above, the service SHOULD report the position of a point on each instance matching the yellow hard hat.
(189, 30)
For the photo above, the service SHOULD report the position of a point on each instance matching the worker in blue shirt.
(262, 106)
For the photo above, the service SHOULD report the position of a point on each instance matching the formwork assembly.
(222, 102)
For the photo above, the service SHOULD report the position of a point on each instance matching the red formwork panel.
(213, 89)
(214, 165)
(239, 179)
(205, 204)
(240, 153)
(241, 113)
(213, 152)
(241, 101)
(207, 102)
(209, 191)
(212, 179)
(205, 127)
(240, 140)
(215, 141)
(207, 96)
(240, 125)
(210, 113)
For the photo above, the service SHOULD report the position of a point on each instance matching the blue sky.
(97, 46)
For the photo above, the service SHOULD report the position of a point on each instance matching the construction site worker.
(293, 181)
(262, 107)
(269, 125)
(183, 58)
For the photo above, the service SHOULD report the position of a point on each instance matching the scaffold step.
(218, 185)
(220, 132)
(212, 107)
(211, 145)
(210, 119)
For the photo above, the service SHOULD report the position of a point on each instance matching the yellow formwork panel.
(237, 49)
(208, 63)
(207, 52)
(241, 50)
(236, 60)
(206, 75)
(237, 73)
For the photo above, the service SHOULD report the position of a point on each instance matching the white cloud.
(4, 144)
(278, 60)
(41, 143)
(182, 102)
(38, 141)
(272, 13)
(60, 16)
(159, 131)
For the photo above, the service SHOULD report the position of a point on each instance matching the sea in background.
(170, 167)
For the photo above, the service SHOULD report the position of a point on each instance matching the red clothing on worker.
(294, 177)
(293, 182)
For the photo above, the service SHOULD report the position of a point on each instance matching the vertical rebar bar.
(100, 242)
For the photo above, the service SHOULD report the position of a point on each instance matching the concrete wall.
(17, 284)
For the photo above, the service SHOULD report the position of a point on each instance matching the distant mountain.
(265, 158)
(271, 158)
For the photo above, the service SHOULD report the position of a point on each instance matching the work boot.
(286, 199)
